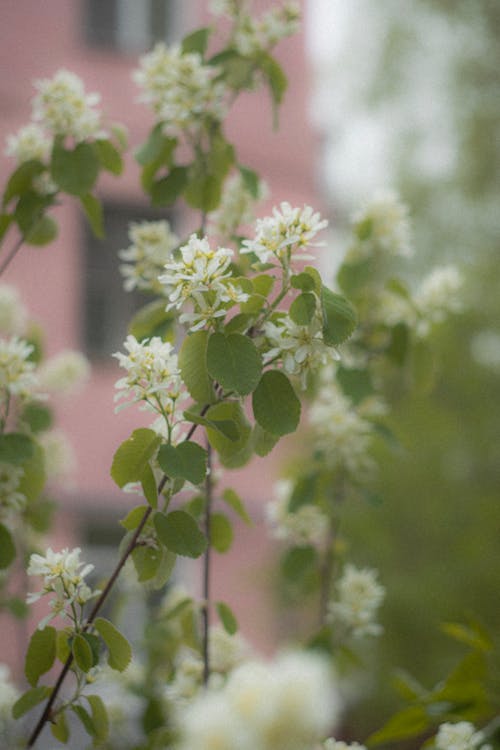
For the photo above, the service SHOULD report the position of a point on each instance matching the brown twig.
(205, 612)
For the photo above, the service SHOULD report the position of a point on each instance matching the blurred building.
(73, 287)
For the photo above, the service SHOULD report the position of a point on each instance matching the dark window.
(108, 308)
(130, 25)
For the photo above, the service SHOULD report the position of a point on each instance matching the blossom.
(11, 499)
(151, 245)
(459, 736)
(306, 525)
(236, 206)
(300, 347)
(253, 35)
(153, 374)
(180, 88)
(63, 575)
(287, 704)
(30, 142)
(17, 377)
(382, 227)
(438, 295)
(341, 433)
(64, 108)
(226, 651)
(332, 744)
(59, 458)
(13, 314)
(65, 373)
(359, 595)
(8, 693)
(284, 233)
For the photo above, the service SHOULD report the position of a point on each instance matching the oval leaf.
(221, 532)
(187, 460)
(234, 362)
(7, 547)
(119, 649)
(131, 458)
(227, 618)
(180, 533)
(275, 404)
(339, 317)
(193, 364)
(82, 653)
(75, 170)
(41, 654)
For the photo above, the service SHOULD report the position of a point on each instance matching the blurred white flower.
(381, 226)
(300, 348)
(236, 206)
(65, 373)
(460, 736)
(358, 598)
(13, 314)
(59, 456)
(30, 142)
(485, 349)
(332, 744)
(64, 108)
(437, 296)
(11, 500)
(306, 525)
(8, 693)
(17, 376)
(226, 651)
(151, 246)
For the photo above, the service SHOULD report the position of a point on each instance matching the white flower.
(188, 676)
(306, 525)
(437, 296)
(460, 736)
(236, 207)
(332, 744)
(66, 372)
(284, 233)
(10, 497)
(59, 457)
(300, 348)
(17, 377)
(359, 596)
(13, 314)
(180, 88)
(63, 575)
(152, 243)
(64, 108)
(8, 693)
(226, 651)
(382, 226)
(30, 142)
(153, 374)
(340, 433)
(252, 35)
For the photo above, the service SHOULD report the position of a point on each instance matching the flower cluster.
(11, 499)
(341, 433)
(30, 142)
(152, 243)
(359, 596)
(285, 234)
(65, 373)
(253, 35)
(333, 744)
(180, 88)
(64, 108)
(8, 693)
(460, 736)
(13, 314)
(306, 525)
(300, 348)
(17, 376)
(59, 458)
(437, 296)
(236, 206)
(201, 276)
(153, 375)
(382, 227)
(288, 704)
(63, 575)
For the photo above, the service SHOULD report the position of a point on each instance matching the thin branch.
(11, 255)
(205, 612)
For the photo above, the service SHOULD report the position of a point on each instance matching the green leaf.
(275, 404)
(197, 41)
(99, 716)
(250, 180)
(235, 502)
(149, 488)
(339, 317)
(167, 190)
(263, 283)
(134, 517)
(221, 532)
(29, 210)
(82, 653)
(303, 281)
(193, 366)
(232, 453)
(95, 647)
(7, 547)
(38, 417)
(180, 533)
(203, 190)
(263, 441)
(352, 276)
(16, 448)
(17, 606)
(133, 455)
(399, 345)
(5, 222)
(59, 727)
(75, 170)
(153, 320)
(146, 561)
(187, 460)
(237, 71)
(34, 477)
(21, 180)
(93, 211)
(410, 722)
(226, 427)
(40, 655)
(157, 149)
(29, 700)
(298, 562)
(472, 635)
(85, 718)
(355, 383)
(119, 649)
(227, 618)
(43, 231)
(63, 644)
(109, 156)
(303, 308)
(276, 79)
(234, 362)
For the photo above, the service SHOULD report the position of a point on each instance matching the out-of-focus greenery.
(435, 538)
